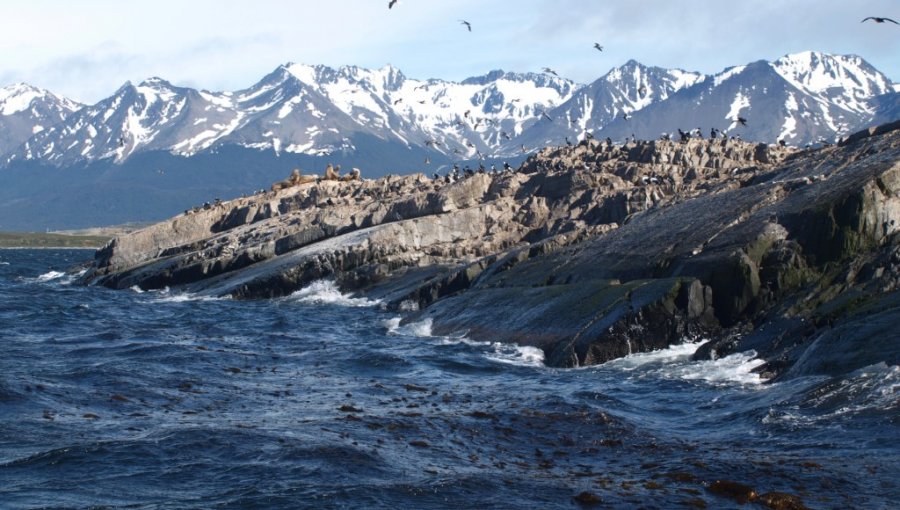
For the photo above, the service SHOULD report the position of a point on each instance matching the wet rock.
(781, 501)
(733, 490)
(587, 498)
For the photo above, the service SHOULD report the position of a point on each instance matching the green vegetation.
(50, 240)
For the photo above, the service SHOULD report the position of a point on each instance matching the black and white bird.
(550, 71)
(625, 116)
(597, 45)
(467, 24)
(879, 20)
(742, 121)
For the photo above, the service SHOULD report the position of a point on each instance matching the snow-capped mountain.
(622, 91)
(26, 111)
(313, 110)
(798, 98)
(321, 111)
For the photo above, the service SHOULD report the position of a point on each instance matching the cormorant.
(568, 142)
(742, 121)
(391, 3)
(467, 24)
(625, 116)
(597, 45)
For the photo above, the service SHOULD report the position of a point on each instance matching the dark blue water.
(121, 399)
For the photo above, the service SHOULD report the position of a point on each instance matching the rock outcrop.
(589, 252)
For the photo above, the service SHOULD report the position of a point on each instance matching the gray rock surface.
(589, 252)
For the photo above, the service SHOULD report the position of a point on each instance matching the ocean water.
(129, 399)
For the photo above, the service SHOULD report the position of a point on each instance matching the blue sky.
(86, 49)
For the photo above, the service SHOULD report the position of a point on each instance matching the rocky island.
(589, 252)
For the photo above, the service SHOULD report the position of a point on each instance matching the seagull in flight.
(467, 24)
(550, 71)
(391, 3)
(879, 20)
(597, 45)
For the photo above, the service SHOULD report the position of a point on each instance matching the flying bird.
(504, 134)
(879, 20)
(398, 101)
(597, 45)
(391, 3)
(467, 24)
(742, 121)
(625, 116)
(544, 114)
(550, 71)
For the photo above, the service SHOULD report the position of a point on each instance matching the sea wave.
(511, 354)
(675, 362)
(873, 389)
(166, 295)
(326, 292)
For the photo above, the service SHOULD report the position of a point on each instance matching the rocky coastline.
(588, 252)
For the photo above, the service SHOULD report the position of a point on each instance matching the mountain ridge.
(317, 109)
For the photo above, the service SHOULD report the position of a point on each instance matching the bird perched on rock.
(550, 71)
(467, 24)
(568, 143)
(597, 45)
(742, 121)
(879, 20)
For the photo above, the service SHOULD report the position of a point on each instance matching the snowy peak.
(21, 96)
(26, 111)
(817, 72)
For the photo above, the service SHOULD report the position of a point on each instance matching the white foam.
(675, 363)
(50, 276)
(166, 296)
(326, 292)
(520, 355)
(510, 354)
(136, 289)
(418, 329)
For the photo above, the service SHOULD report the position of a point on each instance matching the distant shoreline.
(48, 240)
(50, 247)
